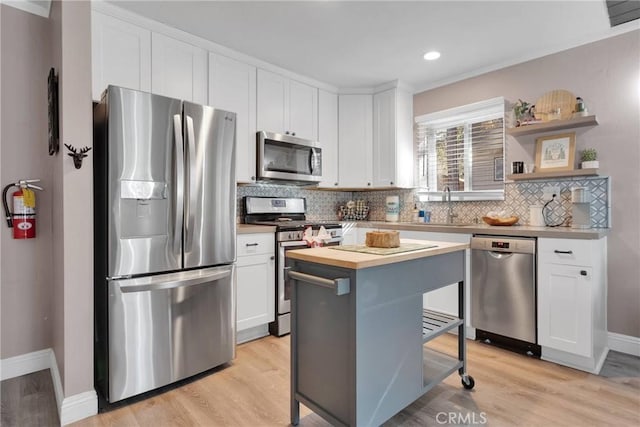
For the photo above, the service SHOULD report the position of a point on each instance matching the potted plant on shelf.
(522, 111)
(589, 157)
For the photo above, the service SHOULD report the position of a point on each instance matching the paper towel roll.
(393, 208)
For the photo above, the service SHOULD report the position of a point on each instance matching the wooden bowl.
(500, 221)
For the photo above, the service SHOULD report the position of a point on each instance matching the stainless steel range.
(288, 215)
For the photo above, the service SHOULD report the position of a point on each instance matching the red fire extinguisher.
(23, 217)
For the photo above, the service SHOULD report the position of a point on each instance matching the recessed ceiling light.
(430, 56)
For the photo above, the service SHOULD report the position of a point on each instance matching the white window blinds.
(463, 149)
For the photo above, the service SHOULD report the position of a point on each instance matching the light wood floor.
(511, 390)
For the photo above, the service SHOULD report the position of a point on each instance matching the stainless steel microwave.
(288, 158)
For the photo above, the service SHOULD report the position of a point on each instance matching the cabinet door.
(564, 308)
(255, 290)
(328, 137)
(232, 87)
(384, 139)
(355, 115)
(303, 111)
(272, 102)
(178, 69)
(121, 54)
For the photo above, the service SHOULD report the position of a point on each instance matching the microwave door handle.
(311, 158)
(191, 196)
(179, 184)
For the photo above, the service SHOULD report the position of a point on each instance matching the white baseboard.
(70, 409)
(78, 407)
(24, 364)
(57, 382)
(252, 333)
(624, 343)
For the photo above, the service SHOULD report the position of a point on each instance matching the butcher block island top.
(358, 260)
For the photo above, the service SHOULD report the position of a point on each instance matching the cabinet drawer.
(256, 243)
(566, 251)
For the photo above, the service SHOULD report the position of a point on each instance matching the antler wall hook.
(77, 156)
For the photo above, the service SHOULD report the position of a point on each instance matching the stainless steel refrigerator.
(165, 221)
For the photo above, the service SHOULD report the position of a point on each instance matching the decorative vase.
(592, 164)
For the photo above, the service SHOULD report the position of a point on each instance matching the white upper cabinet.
(178, 69)
(232, 87)
(303, 110)
(121, 54)
(328, 137)
(355, 126)
(392, 139)
(286, 106)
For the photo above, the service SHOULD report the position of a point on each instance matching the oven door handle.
(341, 285)
(301, 243)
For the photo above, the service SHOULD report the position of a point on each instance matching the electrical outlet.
(548, 192)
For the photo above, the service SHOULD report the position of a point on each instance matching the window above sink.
(462, 148)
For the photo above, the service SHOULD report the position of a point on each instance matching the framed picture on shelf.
(498, 169)
(555, 152)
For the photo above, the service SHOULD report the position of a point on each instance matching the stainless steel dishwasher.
(503, 292)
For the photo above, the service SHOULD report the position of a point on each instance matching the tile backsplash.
(518, 197)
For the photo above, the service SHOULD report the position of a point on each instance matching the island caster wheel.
(468, 382)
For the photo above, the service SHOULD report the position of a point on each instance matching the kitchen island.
(358, 330)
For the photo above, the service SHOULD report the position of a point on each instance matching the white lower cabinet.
(350, 233)
(572, 301)
(255, 285)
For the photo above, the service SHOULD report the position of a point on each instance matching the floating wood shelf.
(553, 125)
(556, 174)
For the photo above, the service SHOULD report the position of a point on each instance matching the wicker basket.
(353, 214)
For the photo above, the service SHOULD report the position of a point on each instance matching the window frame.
(465, 115)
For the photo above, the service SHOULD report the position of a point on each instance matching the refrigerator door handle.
(179, 280)
(177, 230)
(191, 196)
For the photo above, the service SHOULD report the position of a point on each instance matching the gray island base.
(358, 330)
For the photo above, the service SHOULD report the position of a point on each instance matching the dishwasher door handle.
(556, 251)
(341, 286)
(500, 255)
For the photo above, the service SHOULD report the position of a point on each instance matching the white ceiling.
(351, 44)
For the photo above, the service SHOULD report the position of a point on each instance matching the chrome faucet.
(450, 214)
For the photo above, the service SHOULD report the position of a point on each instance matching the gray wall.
(25, 265)
(47, 282)
(73, 210)
(606, 75)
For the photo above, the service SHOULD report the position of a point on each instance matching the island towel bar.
(341, 285)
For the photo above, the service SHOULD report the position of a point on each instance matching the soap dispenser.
(416, 213)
